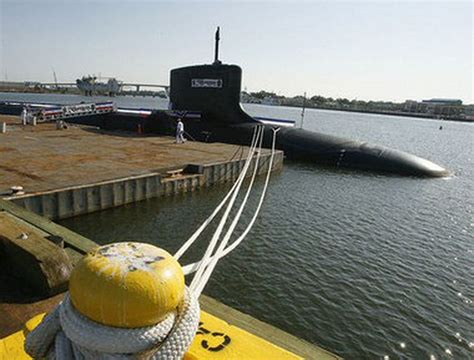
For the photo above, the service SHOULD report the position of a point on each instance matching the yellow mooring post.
(135, 287)
(127, 285)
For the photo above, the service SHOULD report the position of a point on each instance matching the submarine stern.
(344, 153)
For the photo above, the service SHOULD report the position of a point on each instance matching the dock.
(24, 293)
(82, 169)
(78, 170)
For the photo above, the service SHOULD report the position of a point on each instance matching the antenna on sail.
(216, 49)
(302, 110)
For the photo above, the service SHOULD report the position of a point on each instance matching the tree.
(318, 99)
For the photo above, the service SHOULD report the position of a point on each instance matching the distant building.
(443, 102)
(439, 107)
(469, 112)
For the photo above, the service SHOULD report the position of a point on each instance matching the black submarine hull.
(214, 90)
(327, 150)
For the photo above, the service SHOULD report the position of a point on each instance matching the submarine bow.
(214, 90)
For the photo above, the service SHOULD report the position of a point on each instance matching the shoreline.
(375, 112)
(75, 91)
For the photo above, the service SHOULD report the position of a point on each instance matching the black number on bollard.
(203, 331)
(225, 342)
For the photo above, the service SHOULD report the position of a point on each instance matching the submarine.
(213, 90)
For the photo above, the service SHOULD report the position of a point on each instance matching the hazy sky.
(364, 50)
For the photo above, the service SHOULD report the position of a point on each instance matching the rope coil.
(65, 331)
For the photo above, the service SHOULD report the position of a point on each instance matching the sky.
(377, 50)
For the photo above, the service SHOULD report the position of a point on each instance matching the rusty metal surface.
(42, 158)
(10, 119)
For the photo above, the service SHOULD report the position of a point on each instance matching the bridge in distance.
(25, 85)
(137, 86)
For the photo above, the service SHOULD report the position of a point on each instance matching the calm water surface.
(364, 265)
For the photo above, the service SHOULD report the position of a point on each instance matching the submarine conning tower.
(213, 89)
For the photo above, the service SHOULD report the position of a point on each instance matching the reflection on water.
(367, 266)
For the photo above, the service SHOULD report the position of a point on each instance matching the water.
(365, 265)
(123, 101)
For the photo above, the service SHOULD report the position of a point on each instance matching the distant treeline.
(449, 111)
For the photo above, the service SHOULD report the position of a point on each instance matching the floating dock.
(81, 169)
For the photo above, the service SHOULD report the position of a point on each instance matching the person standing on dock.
(24, 116)
(180, 132)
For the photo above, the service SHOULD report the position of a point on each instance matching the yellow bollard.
(134, 285)
(127, 285)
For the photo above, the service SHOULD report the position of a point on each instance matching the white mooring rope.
(66, 334)
(198, 232)
(190, 268)
(77, 337)
(199, 279)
